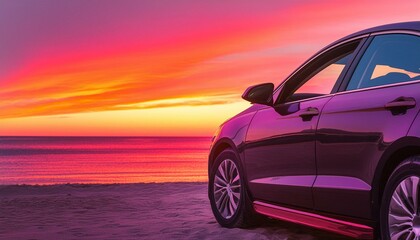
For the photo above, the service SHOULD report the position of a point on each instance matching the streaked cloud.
(190, 101)
(65, 58)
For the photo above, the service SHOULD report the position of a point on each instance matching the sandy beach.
(125, 211)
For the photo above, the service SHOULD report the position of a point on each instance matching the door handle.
(308, 113)
(402, 102)
(400, 105)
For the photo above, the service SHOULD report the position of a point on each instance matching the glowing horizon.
(158, 69)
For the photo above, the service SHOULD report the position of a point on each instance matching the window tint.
(324, 81)
(389, 59)
(320, 75)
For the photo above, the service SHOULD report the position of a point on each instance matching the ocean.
(59, 160)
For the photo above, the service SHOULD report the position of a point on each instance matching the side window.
(321, 79)
(323, 82)
(320, 76)
(392, 58)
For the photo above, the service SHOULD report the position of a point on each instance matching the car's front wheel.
(400, 212)
(228, 196)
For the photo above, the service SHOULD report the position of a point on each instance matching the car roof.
(403, 26)
(410, 26)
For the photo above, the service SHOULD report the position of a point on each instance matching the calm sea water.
(51, 160)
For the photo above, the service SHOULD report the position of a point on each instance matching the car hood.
(253, 108)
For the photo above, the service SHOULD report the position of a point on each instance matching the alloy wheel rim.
(227, 188)
(404, 217)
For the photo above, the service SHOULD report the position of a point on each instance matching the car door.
(376, 106)
(280, 143)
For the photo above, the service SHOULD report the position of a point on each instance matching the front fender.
(232, 134)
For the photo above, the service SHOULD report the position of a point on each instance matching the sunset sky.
(158, 67)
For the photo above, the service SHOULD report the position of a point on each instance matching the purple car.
(335, 146)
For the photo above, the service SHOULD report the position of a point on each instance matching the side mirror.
(261, 93)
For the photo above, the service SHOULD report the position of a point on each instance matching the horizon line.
(105, 136)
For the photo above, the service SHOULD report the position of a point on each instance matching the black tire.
(408, 169)
(244, 216)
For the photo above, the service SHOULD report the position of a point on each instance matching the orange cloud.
(202, 67)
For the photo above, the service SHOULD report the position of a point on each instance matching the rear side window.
(392, 58)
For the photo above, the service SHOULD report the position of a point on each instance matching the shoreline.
(95, 184)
